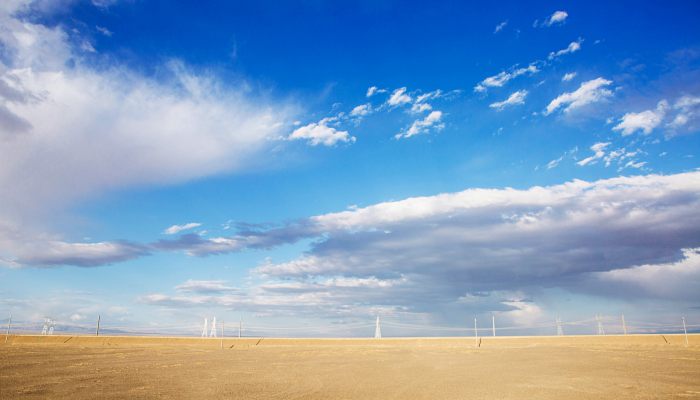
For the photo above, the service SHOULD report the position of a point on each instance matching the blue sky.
(321, 162)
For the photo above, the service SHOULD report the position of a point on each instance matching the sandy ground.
(639, 367)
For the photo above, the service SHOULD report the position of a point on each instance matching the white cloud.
(500, 26)
(644, 121)
(179, 228)
(418, 108)
(598, 153)
(571, 48)
(432, 120)
(687, 111)
(66, 129)
(589, 92)
(373, 90)
(676, 279)
(558, 17)
(361, 110)
(204, 286)
(568, 76)
(503, 77)
(77, 317)
(321, 133)
(514, 99)
(399, 97)
(104, 31)
(488, 250)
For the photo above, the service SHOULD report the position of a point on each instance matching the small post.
(493, 324)
(97, 329)
(685, 331)
(624, 325)
(476, 334)
(9, 324)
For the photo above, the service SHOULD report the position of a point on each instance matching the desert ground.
(568, 367)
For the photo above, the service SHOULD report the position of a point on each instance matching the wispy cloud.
(500, 26)
(571, 48)
(504, 77)
(431, 121)
(589, 92)
(568, 76)
(557, 18)
(174, 229)
(598, 153)
(514, 99)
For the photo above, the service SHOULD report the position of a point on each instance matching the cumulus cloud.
(487, 250)
(431, 121)
(645, 121)
(677, 279)
(399, 97)
(361, 110)
(317, 133)
(514, 99)
(504, 77)
(571, 48)
(589, 92)
(687, 110)
(174, 229)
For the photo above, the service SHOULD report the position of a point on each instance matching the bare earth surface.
(639, 367)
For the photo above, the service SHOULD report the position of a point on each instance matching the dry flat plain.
(569, 367)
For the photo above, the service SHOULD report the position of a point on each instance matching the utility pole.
(493, 324)
(685, 331)
(97, 329)
(240, 327)
(222, 334)
(476, 334)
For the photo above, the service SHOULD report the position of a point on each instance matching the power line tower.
(206, 326)
(47, 329)
(213, 328)
(601, 331)
(560, 330)
(377, 329)
(624, 325)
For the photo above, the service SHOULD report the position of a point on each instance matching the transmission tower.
(601, 331)
(377, 330)
(206, 325)
(213, 328)
(560, 330)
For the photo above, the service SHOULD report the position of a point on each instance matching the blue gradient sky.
(523, 160)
